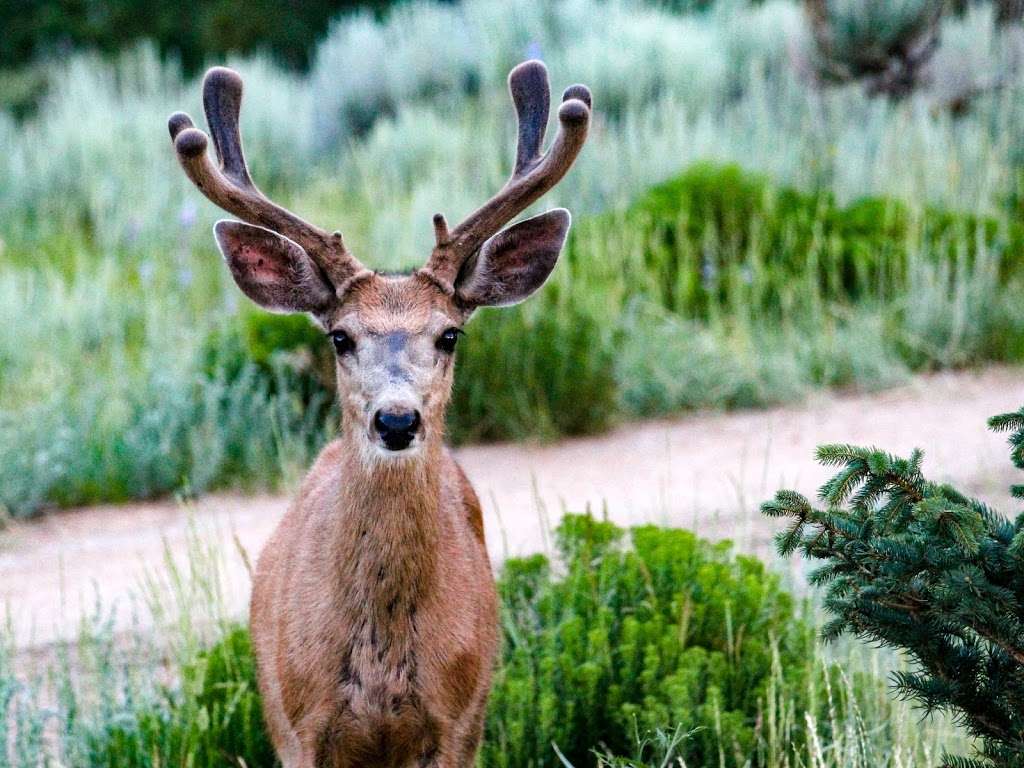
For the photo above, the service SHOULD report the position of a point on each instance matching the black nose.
(396, 428)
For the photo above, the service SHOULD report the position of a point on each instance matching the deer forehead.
(396, 304)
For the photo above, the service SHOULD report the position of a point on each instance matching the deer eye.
(447, 340)
(343, 343)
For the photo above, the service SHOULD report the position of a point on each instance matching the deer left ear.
(272, 270)
(515, 262)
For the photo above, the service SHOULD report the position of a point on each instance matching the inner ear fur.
(272, 270)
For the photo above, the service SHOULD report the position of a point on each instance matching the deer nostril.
(396, 428)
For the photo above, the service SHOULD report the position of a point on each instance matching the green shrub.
(267, 334)
(544, 369)
(213, 718)
(287, 354)
(268, 340)
(717, 235)
(161, 431)
(656, 629)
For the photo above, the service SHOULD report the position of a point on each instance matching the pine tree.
(916, 565)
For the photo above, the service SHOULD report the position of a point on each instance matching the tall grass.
(113, 298)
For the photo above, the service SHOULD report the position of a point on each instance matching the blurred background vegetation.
(287, 31)
(777, 196)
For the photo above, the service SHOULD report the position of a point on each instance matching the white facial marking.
(399, 370)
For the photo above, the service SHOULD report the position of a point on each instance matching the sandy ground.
(708, 472)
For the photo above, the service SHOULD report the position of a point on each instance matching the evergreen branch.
(836, 455)
(1005, 422)
(920, 566)
(838, 489)
(952, 761)
(1014, 653)
(787, 503)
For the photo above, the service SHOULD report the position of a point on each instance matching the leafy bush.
(919, 566)
(158, 420)
(654, 630)
(541, 369)
(212, 718)
(716, 232)
(290, 352)
(162, 433)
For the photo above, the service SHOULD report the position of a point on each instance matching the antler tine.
(532, 175)
(528, 84)
(230, 186)
(222, 102)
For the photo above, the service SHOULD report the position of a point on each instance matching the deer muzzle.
(397, 427)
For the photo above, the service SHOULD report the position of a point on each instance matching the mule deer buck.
(374, 614)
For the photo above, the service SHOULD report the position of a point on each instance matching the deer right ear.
(272, 270)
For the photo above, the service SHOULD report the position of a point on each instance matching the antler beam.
(230, 185)
(532, 175)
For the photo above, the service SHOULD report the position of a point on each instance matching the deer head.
(394, 335)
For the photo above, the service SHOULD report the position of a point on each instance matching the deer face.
(395, 339)
(394, 336)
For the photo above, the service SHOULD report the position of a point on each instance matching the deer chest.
(382, 715)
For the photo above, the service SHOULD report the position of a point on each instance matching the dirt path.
(705, 471)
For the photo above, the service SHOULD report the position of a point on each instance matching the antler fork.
(230, 186)
(533, 174)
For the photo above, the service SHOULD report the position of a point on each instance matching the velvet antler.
(533, 174)
(230, 186)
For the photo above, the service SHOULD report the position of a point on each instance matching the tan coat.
(374, 616)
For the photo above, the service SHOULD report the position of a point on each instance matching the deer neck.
(390, 532)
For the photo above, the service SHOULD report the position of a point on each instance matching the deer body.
(374, 614)
(388, 595)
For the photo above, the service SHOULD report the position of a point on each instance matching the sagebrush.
(112, 296)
